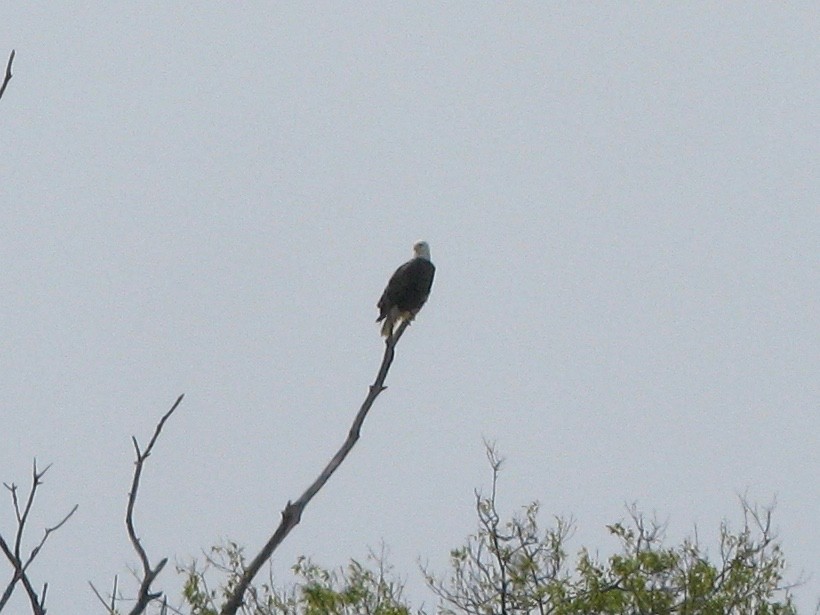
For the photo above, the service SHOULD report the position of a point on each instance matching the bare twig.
(149, 574)
(292, 513)
(13, 554)
(110, 608)
(36, 550)
(8, 74)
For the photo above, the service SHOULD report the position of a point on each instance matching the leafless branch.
(110, 608)
(36, 550)
(149, 574)
(13, 555)
(292, 513)
(8, 74)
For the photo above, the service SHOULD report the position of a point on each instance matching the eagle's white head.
(421, 249)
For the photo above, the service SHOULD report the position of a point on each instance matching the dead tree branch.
(110, 608)
(14, 554)
(292, 513)
(149, 574)
(8, 74)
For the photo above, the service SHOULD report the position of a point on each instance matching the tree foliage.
(515, 567)
(355, 589)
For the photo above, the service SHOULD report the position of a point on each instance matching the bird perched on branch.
(407, 289)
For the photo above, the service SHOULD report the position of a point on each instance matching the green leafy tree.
(352, 590)
(514, 567)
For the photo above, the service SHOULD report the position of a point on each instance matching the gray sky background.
(621, 201)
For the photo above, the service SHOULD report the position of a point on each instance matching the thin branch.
(145, 596)
(8, 74)
(114, 594)
(36, 604)
(46, 534)
(109, 608)
(13, 554)
(14, 501)
(10, 587)
(42, 603)
(292, 513)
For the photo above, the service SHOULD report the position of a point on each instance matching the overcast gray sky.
(621, 200)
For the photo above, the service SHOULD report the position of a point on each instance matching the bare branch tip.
(41, 473)
(8, 76)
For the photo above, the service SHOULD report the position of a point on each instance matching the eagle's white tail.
(387, 326)
(394, 319)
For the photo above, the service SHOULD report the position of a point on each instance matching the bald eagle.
(407, 289)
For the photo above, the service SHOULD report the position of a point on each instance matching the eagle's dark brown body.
(406, 292)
